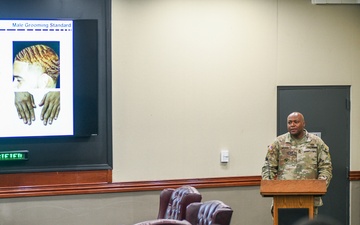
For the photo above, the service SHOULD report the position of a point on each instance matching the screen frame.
(84, 150)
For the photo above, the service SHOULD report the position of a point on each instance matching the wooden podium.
(292, 195)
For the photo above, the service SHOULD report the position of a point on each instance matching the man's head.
(296, 125)
(37, 66)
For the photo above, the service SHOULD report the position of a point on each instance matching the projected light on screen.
(36, 78)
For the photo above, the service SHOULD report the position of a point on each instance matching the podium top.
(292, 187)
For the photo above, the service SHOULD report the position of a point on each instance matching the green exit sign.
(14, 155)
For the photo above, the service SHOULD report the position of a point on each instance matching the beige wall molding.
(95, 182)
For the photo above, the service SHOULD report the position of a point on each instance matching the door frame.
(347, 89)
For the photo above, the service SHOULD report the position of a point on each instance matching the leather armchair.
(173, 203)
(209, 213)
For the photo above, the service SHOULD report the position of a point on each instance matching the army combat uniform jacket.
(291, 159)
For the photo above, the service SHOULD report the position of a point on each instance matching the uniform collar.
(288, 137)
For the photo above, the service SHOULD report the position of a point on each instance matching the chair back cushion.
(177, 202)
(210, 212)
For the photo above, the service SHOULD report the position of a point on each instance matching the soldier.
(298, 155)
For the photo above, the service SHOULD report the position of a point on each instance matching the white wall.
(193, 77)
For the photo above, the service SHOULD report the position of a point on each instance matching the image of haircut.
(42, 55)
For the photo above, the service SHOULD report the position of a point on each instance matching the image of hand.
(51, 107)
(24, 103)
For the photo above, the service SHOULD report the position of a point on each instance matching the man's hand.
(51, 107)
(24, 103)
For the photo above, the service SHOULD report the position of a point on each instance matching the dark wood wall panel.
(19, 180)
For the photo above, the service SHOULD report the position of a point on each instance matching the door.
(327, 113)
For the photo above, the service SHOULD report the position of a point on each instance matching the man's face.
(295, 125)
(27, 76)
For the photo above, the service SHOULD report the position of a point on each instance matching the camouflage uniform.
(291, 159)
